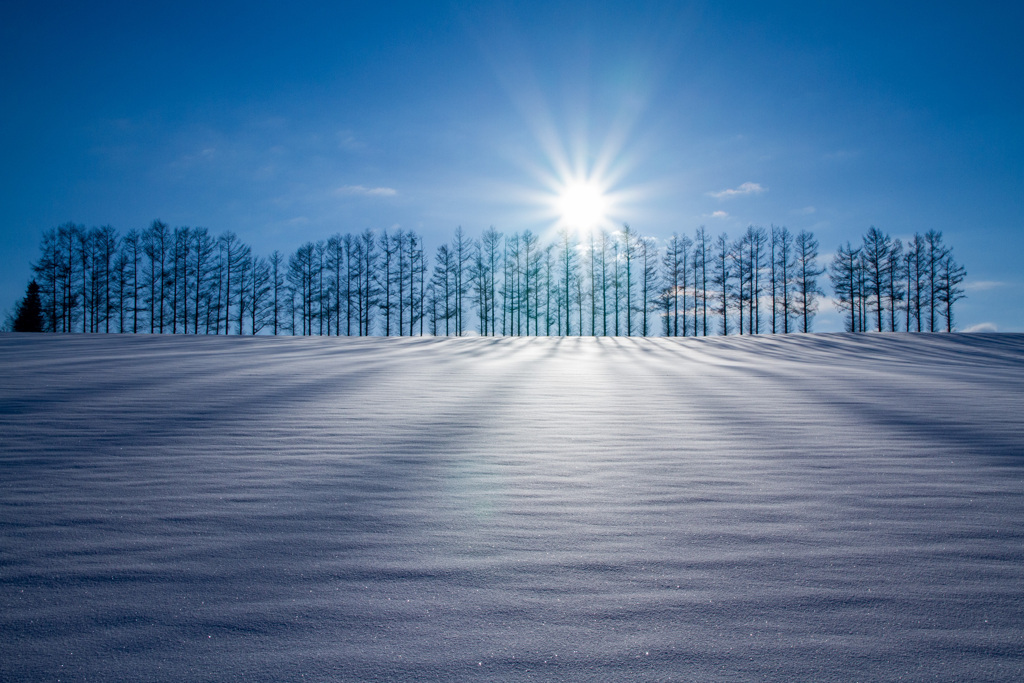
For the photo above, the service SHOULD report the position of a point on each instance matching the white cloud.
(982, 285)
(981, 327)
(366, 191)
(806, 211)
(719, 214)
(744, 189)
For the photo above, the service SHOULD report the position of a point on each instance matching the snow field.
(819, 507)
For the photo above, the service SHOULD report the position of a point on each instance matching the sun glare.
(582, 206)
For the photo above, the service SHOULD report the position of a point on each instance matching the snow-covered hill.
(821, 507)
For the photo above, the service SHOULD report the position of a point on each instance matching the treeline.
(189, 281)
(882, 285)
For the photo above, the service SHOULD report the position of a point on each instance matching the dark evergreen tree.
(30, 313)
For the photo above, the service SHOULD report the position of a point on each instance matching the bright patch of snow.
(814, 507)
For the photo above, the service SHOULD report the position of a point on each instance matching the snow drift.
(814, 507)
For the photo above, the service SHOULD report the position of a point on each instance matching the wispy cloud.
(981, 327)
(982, 285)
(348, 141)
(719, 214)
(806, 211)
(744, 189)
(366, 191)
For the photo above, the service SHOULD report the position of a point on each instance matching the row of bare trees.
(186, 280)
(886, 285)
(157, 280)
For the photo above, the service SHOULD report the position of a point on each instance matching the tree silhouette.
(894, 283)
(701, 258)
(914, 272)
(30, 313)
(171, 280)
(807, 272)
(674, 288)
(845, 275)
(648, 256)
(722, 280)
(782, 279)
(875, 255)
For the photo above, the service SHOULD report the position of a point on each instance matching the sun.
(582, 206)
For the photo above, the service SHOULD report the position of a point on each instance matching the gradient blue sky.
(288, 124)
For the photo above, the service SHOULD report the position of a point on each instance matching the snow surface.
(821, 507)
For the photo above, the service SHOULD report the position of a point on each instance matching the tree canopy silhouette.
(186, 280)
(30, 313)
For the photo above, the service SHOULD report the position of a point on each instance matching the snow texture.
(814, 507)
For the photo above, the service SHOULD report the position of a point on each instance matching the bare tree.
(353, 279)
(568, 259)
(530, 273)
(604, 283)
(369, 293)
(550, 290)
(334, 268)
(107, 242)
(155, 241)
(510, 290)
(201, 260)
(807, 272)
(243, 275)
(417, 274)
(493, 263)
(894, 282)
(277, 292)
(629, 253)
(845, 273)
(181, 246)
(674, 286)
(875, 255)
(782, 276)
(443, 286)
(462, 255)
(935, 254)
(260, 286)
(721, 280)
(914, 272)
(757, 238)
(647, 251)
(951, 276)
(700, 264)
(739, 268)
(385, 278)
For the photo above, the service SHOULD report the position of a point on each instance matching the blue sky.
(288, 124)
